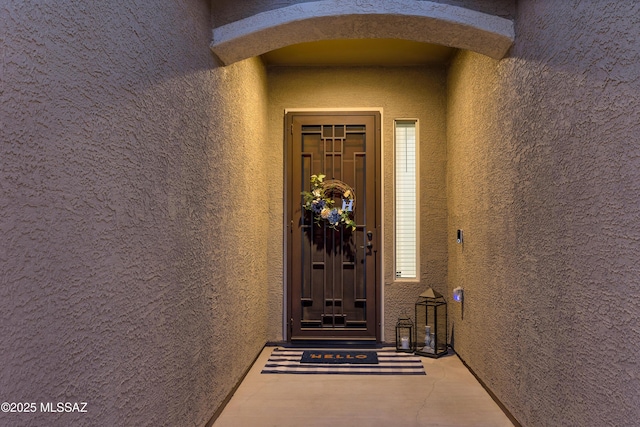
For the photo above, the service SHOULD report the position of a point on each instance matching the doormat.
(339, 357)
(289, 361)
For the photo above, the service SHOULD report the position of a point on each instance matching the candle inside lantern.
(404, 342)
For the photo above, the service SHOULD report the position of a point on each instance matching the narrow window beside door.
(406, 200)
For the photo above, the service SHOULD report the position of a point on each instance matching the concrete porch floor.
(448, 395)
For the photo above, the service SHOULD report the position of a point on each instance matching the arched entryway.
(421, 21)
(310, 24)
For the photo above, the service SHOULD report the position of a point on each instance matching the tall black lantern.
(431, 324)
(404, 335)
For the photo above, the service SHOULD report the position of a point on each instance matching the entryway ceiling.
(361, 52)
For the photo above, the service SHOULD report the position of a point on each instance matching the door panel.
(333, 272)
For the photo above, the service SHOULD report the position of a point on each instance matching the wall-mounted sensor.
(460, 238)
(457, 294)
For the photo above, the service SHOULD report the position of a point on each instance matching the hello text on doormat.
(341, 356)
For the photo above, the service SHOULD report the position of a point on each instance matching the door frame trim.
(381, 247)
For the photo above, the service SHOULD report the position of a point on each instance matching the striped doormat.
(287, 361)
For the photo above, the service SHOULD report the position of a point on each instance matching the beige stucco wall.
(133, 253)
(226, 11)
(386, 88)
(544, 178)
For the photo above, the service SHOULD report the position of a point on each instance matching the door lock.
(369, 238)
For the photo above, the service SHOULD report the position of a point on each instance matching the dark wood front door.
(333, 275)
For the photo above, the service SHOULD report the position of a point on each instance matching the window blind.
(406, 200)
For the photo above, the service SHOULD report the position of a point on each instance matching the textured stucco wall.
(226, 11)
(544, 178)
(132, 272)
(238, 222)
(374, 88)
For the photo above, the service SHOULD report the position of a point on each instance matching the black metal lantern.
(404, 335)
(431, 324)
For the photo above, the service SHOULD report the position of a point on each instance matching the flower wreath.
(320, 201)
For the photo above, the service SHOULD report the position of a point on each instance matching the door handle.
(369, 238)
(369, 241)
